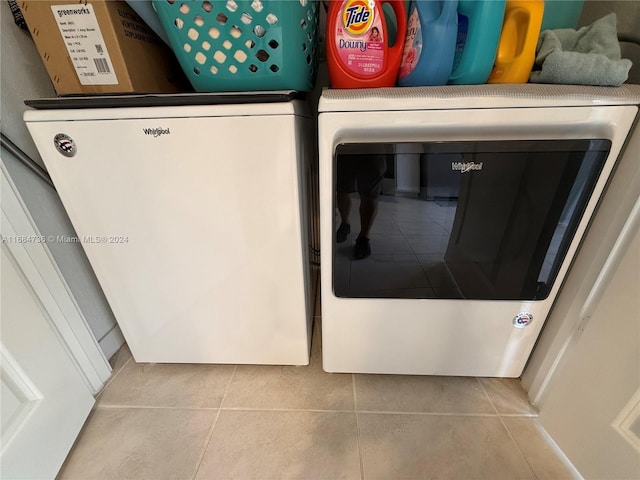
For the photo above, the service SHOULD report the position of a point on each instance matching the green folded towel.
(588, 56)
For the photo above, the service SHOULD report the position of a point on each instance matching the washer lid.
(163, 100)
(109, 107)
(453, 97)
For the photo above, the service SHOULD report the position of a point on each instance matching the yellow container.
(517, 45)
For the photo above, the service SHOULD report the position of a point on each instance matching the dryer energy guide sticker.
(84, 41)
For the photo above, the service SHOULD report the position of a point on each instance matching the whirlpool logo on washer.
(156, 132)
(464, 167)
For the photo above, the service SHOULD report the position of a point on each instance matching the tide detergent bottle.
(518, 40)
(479, 27)
(430, 43)
(358, 54)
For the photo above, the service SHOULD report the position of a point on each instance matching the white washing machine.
(492, 189)
(196, 219)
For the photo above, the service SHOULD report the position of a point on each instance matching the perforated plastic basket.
(235, 45)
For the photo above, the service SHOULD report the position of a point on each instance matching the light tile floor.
(207, 422)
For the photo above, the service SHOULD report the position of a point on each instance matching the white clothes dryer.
(486, 194)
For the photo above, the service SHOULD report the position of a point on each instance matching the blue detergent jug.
(479, 27)
(561, 14)
(430, 43)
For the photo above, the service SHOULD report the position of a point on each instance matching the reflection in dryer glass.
(459, 220)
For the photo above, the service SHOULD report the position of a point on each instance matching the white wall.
(23, 77)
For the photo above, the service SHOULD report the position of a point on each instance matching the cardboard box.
(99, 47)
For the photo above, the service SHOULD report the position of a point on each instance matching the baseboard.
(112, 341)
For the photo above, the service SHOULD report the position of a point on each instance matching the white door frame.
(29, 248)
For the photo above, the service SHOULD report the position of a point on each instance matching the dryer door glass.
(459, 220)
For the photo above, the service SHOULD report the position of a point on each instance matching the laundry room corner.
(279, 247)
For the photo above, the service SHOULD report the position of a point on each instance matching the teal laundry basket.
(235, 45)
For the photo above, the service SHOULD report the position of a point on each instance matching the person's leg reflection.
(368, 211)
(369, 179)
(344, 208)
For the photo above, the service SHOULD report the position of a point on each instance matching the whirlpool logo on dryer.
(156, 132)
(464, 167)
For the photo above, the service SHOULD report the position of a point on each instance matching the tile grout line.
(151, 407)
(554, 446)
(504, 425)
(431, 414)
(226, 390)
(355, 408)
(203, 452)
(488, 397)
(113, 376)
(518, 447)
(309, 410)
(519, 415)
(226, 409)
(215, 421)
(318, 410)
